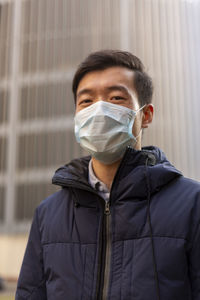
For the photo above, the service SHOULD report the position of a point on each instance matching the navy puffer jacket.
(144, 246)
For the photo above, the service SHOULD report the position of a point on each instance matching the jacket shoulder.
(54, 200)
(189, 184)
(187, 195)
(54, 210)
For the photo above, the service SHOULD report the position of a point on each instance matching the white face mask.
(105, 130)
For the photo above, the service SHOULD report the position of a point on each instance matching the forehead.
(108, 77)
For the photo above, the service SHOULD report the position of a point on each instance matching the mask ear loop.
(140, 108)
(132, 122)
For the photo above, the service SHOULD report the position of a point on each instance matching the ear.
(147, 115)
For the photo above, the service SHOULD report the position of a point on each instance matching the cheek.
(77, 109)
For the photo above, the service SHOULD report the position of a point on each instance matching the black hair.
(104, 59)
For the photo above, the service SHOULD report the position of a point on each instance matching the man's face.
(114, 85)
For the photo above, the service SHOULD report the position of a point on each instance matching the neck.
(105, 173)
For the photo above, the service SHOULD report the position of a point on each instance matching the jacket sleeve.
(194, 265)
(31, 282)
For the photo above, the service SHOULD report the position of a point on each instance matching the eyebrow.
(120, 88)
(111, 88)
(84, 91)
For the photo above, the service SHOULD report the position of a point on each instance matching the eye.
(117, 98)
(85, 101)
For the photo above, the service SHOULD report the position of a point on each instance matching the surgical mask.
(104, 130)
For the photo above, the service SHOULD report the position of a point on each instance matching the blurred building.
(41, 44)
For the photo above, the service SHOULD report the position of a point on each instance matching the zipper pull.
(107, 208)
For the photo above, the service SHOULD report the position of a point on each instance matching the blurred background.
(41, 44)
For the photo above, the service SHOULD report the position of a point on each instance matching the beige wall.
(12, 249)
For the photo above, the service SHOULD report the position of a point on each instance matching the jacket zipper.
(107, 250)
(104, 254)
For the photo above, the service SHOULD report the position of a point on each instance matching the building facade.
(41, 44)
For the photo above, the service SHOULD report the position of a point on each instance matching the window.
(28, 196)
(2, 202)
(3, 151)
(4, 105)
(46, 101)
(45, 149)
(5, 39)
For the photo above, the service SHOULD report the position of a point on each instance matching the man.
(126, 223)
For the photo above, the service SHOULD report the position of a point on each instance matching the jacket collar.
(135, 166)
